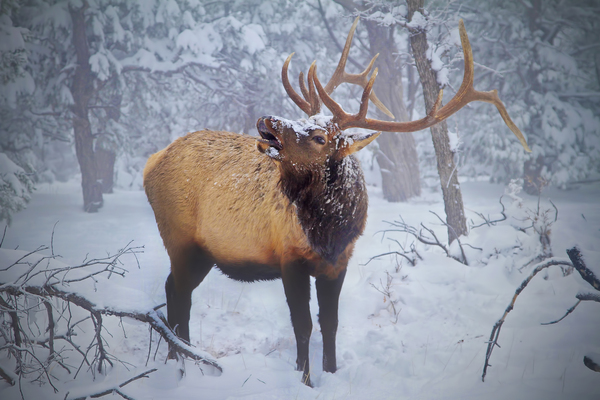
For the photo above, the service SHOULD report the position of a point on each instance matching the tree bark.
(105, 168)
(455, 215)
(82, 89)
(397, 156)
(533, 182)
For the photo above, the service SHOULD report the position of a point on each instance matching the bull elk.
(291, 210)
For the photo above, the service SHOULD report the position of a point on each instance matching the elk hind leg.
(189, 267)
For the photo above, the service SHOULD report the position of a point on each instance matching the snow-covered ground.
(433, 348)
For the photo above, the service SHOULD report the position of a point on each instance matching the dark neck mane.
(331, 204)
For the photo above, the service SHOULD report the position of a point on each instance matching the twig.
(462, 251)
(115, 389)
(587, 275)
(569, 311)
(555, 209)
(14, 317)
(431, 241)
(410, 260)
(487, 221)
(32, 355)
(3, 235)
(493, 341)
(54, 282)
(50, 327)
(97, 319)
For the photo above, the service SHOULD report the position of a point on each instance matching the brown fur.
(293, 211)
(214, 190)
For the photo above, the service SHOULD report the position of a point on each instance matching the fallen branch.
(577, 263)
(569, 311)
(35, 283)
(114, 389)
(431, 240)
(587, 275)
(155, 318)
(493, 341)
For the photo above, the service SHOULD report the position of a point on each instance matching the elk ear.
(353, 143)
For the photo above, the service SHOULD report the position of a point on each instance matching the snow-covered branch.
(576, 261)
(33, 282)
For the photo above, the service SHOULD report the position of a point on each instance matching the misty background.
(152, 71)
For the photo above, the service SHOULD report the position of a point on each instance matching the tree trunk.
(397, 156)
(533, 182)
(455, 215)
(82, 89)
(105, 168)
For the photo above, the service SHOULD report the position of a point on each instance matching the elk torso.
(215, 190)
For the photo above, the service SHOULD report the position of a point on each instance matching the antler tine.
(437, 104)
(364, 101)
(465, 95)
(337, 110)
(302, 85)
(339, 72)
(300, 102)
(313, 98)
(340, 75)
(342, 118)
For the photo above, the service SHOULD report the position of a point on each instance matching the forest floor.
(405, 332)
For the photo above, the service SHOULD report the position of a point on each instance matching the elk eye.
(319, 139)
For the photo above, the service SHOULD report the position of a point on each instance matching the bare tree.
(455, 214)
(82, 89)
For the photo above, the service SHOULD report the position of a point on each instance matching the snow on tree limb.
(587, 275)
(27, 276)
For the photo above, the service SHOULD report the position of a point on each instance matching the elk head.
(320, 138)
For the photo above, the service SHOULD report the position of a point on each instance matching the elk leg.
(328, 294)
(188, 270)
(296, 284)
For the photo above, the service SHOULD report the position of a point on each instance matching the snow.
(252, 35)
(202, 40)
(419, 21)
(303, 127)
(432, 347)
(454, 141)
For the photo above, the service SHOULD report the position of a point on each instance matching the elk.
(291, 210)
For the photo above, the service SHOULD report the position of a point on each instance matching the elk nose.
(261, 125)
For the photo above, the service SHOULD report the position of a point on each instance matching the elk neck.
(331, 203)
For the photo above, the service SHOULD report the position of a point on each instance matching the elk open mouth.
(267, 134)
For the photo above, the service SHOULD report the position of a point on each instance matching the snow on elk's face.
(307, 142)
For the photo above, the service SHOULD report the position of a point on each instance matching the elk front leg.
(296, 284)
(328, 294)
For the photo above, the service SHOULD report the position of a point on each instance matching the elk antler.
(311, 103)
(466, 94)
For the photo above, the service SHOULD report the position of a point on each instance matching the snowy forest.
(89, 89)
